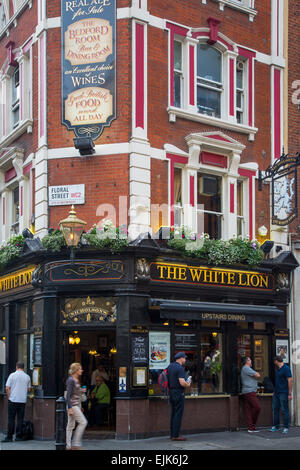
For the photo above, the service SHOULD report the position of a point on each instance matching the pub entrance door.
(95, 350)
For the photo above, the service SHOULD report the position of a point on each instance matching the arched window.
(209, 80)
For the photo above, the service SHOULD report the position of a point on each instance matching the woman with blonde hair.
(75, 415)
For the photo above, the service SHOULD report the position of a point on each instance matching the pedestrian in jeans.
(17, 386)
(75, 414)
(249, 388)
(177, 384)
(282, 395)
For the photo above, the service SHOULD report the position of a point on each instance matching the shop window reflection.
(211, 366)
(257, 348)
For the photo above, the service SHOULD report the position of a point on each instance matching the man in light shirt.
(17, 386)
(249, 379)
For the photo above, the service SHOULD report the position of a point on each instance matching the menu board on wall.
(139, 348)
(88, 36)
(37, 351)
(159, 350)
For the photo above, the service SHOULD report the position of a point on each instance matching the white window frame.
(178, 208)
(212, 85)
(243, 91)
(15, 97)
(227, 119)
(241, 217)
(179, 72)
(15, 221)
(210, 172)
(8, 130)
(245, 6)
(14, 158)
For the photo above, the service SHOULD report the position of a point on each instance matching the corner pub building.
(136, 309)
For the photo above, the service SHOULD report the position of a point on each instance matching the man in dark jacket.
(282, 395)
(177, 384)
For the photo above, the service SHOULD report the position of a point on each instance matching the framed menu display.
(159, 349)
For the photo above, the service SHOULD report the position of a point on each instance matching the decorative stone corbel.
(18, 166)
(194, 152)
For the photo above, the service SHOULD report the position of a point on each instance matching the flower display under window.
(11, 250)
(227, 252)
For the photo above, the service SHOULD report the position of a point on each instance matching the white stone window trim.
(191, 113)
(245, 6)
(13, 157)
(10, 133)
(211, 121)
(13, 21)
(232, 149)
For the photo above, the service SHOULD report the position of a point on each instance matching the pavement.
(209, 441)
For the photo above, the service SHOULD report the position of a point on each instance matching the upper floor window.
(240, 209)
(15, 97)
(209, 204)
(209, 80)
(15, 213)
(240, 91)
(178, 210)
(246, 6)
(178, 74)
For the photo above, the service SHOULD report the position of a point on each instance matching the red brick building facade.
(199, 103)
(149, 122)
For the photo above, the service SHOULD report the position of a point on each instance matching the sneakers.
(285, 430)
(274, 429)
(252, 430)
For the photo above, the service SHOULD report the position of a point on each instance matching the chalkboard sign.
(139, 348)
(37, 351)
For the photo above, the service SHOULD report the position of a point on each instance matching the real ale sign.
(88, 36)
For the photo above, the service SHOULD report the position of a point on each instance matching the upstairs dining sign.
(88, 36)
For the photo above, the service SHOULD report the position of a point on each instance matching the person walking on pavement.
(177, 384)
(249, 388)
(282, 394)
(75, 414)
(17, 386)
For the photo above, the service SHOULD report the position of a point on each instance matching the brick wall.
(111, 172)
(294, 93)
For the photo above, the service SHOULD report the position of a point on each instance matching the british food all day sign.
(88, 65)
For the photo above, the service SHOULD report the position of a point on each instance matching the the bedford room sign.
(205, 276)
(88, 65)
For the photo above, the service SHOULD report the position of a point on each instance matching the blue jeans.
(280, 401)
(177, 401)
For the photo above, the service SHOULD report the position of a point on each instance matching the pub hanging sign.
(88, 36)
(283, 175)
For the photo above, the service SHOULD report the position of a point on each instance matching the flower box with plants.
(215, 252)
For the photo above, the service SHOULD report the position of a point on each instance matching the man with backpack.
(17, 386)
(177, 383)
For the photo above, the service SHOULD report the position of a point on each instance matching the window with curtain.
(240, 209)
(178, 212)
(209, 205)
(209, 80)
(15, 215)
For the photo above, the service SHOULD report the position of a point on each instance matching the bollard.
(61, 424)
